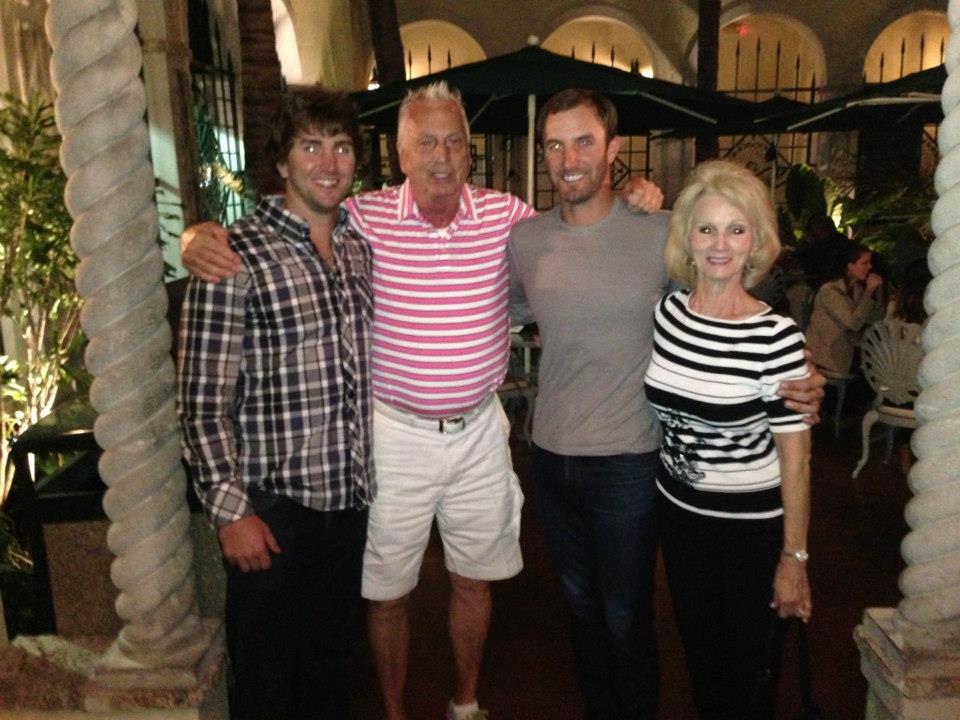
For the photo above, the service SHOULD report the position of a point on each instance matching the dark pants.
(598, 517)
(720, 573)
(291, 629)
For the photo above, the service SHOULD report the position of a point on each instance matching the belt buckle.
(452, 425)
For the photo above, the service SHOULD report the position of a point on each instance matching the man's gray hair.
(438, 91)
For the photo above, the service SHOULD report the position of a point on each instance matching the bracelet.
(800, 555)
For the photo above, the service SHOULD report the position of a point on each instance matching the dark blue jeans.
(291, 629)
(598, 515)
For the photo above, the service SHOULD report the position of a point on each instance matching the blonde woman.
(734, 497)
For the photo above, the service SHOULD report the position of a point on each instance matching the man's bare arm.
(206, 253)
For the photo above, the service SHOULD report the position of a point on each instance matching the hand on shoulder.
(642, 195)
(206, 254)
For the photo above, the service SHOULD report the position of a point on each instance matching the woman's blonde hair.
(746, 192)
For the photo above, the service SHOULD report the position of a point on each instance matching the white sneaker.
(478, 714)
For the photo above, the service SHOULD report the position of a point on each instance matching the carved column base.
(112, 688)
(905, 683)
(47, 677)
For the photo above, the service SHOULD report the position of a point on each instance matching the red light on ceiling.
(743, 29)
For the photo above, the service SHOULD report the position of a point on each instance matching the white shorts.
(465, 480)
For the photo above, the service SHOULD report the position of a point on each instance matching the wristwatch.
(800, 555)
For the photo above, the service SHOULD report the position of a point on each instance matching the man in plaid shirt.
(275, 404)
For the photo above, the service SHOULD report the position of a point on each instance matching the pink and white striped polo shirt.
(440, 328)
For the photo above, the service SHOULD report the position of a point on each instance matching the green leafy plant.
(37, 265)
(807, 194)
(219, 185)
(894, 223)
(16, 579)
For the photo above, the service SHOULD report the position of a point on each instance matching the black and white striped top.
(713, 383)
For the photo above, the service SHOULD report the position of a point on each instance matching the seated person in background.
(817, 250)
(907, 305)
(842, 308)
(797, 294)
(907, 301)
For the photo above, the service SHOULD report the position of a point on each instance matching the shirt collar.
(289, 226)
(407, 207)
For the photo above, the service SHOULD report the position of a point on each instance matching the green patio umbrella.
(502, 95)
(914, 98)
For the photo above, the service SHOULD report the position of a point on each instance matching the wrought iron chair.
(890, 355)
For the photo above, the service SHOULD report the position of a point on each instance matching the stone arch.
(911, 43)
(601, 40)
(287, 48)
(796, 40)
(312, 44)
(611, 27)
(428, 45)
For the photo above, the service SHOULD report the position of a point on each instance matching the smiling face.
(720, 240)
(318, 172)
(577, 154)
(861, 268)
(434, 152)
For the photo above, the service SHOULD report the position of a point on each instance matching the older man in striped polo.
(440, 348)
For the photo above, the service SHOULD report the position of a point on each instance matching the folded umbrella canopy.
(914, 98)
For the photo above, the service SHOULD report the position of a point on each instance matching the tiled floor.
(528, 673)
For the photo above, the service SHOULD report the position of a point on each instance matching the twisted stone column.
(929, 614)
(99, 108)
(911, 655)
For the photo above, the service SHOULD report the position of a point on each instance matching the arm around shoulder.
(206, 254)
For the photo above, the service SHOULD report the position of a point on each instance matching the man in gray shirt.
(589, 272)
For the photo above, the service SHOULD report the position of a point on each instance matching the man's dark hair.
(313, 108)
(575, 97)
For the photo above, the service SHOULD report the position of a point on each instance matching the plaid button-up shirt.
(274, 388)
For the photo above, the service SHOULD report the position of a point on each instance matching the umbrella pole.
(773, 168)
(531, 146)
